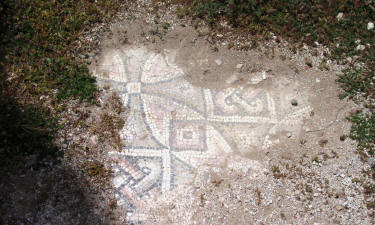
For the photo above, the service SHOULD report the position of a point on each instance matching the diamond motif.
(174, 127)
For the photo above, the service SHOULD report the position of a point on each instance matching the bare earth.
(219, 136)
(202, 134)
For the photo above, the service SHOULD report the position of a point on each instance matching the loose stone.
(370, 26)
(340, 16)
(218, 62)
(232, 79)
(361, 47)
(239, 66)
(94, 140)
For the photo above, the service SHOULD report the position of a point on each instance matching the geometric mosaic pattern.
(174, 127)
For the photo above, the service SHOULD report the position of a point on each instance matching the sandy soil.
(300, 170)
(306, 174)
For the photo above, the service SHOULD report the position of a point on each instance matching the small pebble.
(361, 47)
(370, 26)
(239, 66)
(340, 16)
(264, 76)
(232, 79)
(94, 140)
(218, 62)
(289, 135)
(317, 80)
(294, 102)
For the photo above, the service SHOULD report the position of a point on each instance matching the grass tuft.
(38, 45)
(363, 131)
(300, 21)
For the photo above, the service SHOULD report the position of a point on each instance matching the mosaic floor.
(174, 127)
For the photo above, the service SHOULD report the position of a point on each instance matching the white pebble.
(218, 62)
(317, 80)
(360, 47)
(264, 76)
(340, 16)
(239, 66)
(232, 79)
(370, 26)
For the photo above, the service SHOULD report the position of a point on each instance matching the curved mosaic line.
(173, 126)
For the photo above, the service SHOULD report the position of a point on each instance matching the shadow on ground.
(35, 187)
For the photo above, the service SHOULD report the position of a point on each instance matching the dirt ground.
(275, 144)
(306, 172)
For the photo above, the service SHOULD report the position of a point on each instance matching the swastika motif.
(174, 127)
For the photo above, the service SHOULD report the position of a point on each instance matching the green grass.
(298, 20)
(40, 39)
(363, 131)
(75, 82)
(357, 82)
(301, 21)
(38, 46)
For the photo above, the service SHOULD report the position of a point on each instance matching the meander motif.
(174, 127)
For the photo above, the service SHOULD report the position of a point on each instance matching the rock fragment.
(239, 66)
(294, 102)
(370, 26)
(94, 140)
(232, 79)
(360, 47)
(340, 16)
(218, 62)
